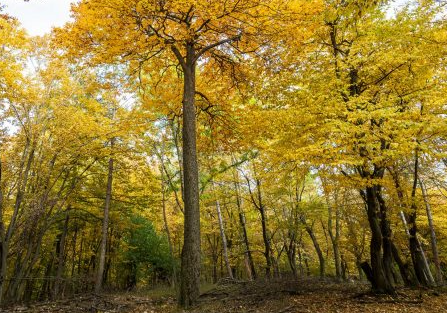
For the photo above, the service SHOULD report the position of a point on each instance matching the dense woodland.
(179, 143)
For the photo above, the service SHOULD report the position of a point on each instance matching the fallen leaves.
(306, 295)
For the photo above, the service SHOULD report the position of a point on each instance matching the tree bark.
(380, 282)
(191, 263)
(105, 225)
(386, 238)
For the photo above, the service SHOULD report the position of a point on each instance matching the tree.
(178, 34)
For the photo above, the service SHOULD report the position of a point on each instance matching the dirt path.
(305, 295)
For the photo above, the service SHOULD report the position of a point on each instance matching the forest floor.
(299, 296)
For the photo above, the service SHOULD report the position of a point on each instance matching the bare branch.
(216, 44)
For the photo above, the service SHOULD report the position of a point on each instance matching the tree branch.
(216, 44)
(179, 57)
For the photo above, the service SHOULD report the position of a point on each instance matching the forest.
(225, 150)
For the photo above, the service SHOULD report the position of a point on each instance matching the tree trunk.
(105, 225)
(379, 280)
(7, 232)
(265, 236)
(335, 238)
(267, 248)
(434, 245)
(291, 256)
(258, 203)
(403, 267)
(61, 257)
(165, 218)
(420, 264)
(2, 239)
(418, 258)
(312, 236)
(224, 240)
(175, 133)
(191, 263)
(406, 273)
(386, 238)
(248, 256)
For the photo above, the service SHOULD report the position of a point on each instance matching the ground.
(279, 296)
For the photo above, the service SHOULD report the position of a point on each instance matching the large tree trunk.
(379, 280)
(105, 225)
(434, 245)
(386, 238)
(191, 263)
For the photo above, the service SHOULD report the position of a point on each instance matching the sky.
(39, 16)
